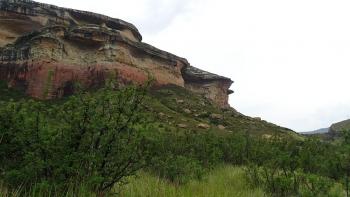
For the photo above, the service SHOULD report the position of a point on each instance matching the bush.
(95, 139)
(283, 184)
(314, 185)
(180, 157)
(232, 148)
(179, 169)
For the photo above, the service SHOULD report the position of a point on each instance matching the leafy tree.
(25, 142)
(95, 138)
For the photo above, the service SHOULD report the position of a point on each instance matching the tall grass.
(226, 181)
(49, 191)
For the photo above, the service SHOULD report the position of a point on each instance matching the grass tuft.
(225, 181)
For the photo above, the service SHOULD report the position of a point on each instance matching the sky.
(290, 59)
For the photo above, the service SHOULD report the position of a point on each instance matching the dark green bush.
(178, 169)
(232, 147)
(95, 139)
(278, 183)
(182, 157)
(314, 185)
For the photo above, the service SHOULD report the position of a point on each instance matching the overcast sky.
(290, 59)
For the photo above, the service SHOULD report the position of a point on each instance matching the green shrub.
(283, 184)
(95, 139)
(232, 147)
(179, 169)
(314, 185)
(180, 157)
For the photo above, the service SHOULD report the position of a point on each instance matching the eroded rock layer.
(45, 49)
(212, 86)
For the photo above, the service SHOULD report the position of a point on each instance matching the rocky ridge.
(44, 49)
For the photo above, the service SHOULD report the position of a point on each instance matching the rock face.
(46, 49)
(212, 86)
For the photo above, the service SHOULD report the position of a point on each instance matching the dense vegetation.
(91, 138)
(94, 141)
(226, 181)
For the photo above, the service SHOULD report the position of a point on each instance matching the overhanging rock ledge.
(45, 49)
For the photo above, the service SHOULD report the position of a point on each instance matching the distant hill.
(331, 133)
(337, 128)
(318, 131)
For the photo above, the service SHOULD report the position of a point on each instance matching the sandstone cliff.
(45, 49)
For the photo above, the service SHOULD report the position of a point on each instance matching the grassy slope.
(167, 106)
(227, 181)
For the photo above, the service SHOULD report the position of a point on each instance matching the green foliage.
(182, 157)
(178, 169)
(44, 190)
(226, 181)
(233, 147)
(7, 93)
(345, 160)
(95, 139)
(314, 185)
(293, 168)
(278, 183)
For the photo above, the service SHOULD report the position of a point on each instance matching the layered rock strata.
(212, 86)
(45, 49)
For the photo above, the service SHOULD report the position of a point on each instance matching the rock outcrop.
(45, 49)
(212, 86)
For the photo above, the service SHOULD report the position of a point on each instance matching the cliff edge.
(44, 49)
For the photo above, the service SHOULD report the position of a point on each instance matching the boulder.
(221, 127)
(183, 126)
(187, 111)
(179, 101)
(203, 126)
(216, 116)
(257, 118)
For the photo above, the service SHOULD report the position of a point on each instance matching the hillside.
(331, 133)
(318, 131)
(176, 108)
(337, 128)
(185, 110)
